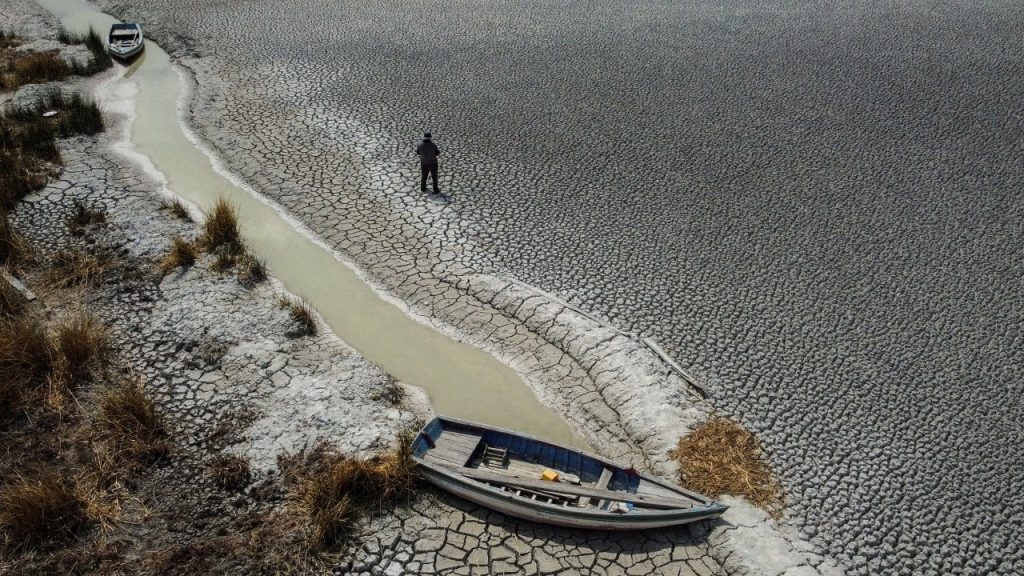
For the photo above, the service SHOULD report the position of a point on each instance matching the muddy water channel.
(460, 379)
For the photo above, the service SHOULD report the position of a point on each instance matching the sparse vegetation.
(76, 267)
(182, 254)
(251, 270)
(13, 248)
(335, 492)
(391, 392)
(177, 209)
(80, 344)
(221, 228)
(28, 149)
(12, 304)
(721, 457)
(301, 313)
(38, 510)
(129, 422)
(230, 471)
(9, 39)
(84, 216)
(38, 67)
(31, 357)
(26, 353)
(100, 59)
(225, 258)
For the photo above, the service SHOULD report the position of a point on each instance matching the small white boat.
(125, 40)
(535, 480)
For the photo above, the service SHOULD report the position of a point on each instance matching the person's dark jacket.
(428, 152)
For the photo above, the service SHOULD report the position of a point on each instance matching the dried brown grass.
(182, 254)
(14, 250)
(177, 209)
(12, 303)
(251, 270)
(230, 471)
(259, 544)
(335, 492)
(81, 345)
(26, 352)
(26, 361)
(36, 67)
(130, 424)
(721, 457)
(76, 267)
(391, 392)
(221, 227)
(34, 511)
(301, 314)
(84, 216)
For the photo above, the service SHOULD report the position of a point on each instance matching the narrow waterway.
(460, 379)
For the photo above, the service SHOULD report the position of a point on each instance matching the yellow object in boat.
(549, 475)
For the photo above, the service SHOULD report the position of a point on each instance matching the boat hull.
(451, 454)
(128, 54)
(517, 508)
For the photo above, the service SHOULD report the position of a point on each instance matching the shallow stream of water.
(461, 380)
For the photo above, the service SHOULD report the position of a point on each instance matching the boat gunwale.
(709, 510)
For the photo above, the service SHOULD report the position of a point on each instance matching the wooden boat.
(125, 40)
(505, 471)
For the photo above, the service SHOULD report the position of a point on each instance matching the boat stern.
(427, 437)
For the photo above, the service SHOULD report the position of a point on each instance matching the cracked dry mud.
(817, 207)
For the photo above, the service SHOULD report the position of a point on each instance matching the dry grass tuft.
(335, 492)
(177, 209)
(221, 228)
(230, 471)
(84, 216)
(26, 353)
(302, 314)
(129, 422)
(251, 270)
(39, 510)
(391, 392)
(14, 250)
(12, 303)
(75, 268)
(81, 344)
(38, 67)
(78, 115)
(721, 457)
(225, 258)
(9, 39)
(100, 57)
(183, 254)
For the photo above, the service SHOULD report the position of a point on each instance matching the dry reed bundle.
(721, 457)
(339, 492)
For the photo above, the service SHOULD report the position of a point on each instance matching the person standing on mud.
(428, 153)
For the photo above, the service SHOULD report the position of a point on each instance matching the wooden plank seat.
(602, 484)
(453, 448)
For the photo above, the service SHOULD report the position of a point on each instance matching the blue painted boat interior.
(535, 451)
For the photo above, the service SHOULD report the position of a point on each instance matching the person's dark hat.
(426, 135)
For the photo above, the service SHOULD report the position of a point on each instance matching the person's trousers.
(428, 169)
